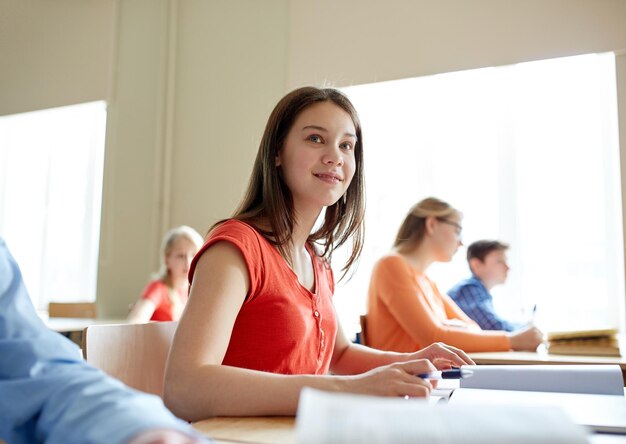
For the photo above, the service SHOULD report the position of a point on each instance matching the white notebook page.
(329, 418)
(603, 413)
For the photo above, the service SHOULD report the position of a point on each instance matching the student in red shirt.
(164, 298)
(260, 323)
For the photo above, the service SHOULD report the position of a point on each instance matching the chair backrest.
(72, 310)
(363, 319)
(133, 353)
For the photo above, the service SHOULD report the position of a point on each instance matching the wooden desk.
(253, 430)
(281, 430)
(72, 328)
(68, 325)
(542, 357)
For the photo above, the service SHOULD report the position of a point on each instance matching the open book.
(325, 418)
(591, 395)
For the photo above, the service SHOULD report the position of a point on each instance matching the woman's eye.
(315, 138)
(346, 146)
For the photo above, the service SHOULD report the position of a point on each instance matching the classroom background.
(168, 99)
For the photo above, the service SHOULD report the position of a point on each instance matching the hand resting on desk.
(528, 338)
(399, 379)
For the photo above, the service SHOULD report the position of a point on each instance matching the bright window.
(529, 153)
(51, 165)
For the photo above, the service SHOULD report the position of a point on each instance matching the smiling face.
(317, 158)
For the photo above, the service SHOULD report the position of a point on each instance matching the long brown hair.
(413, 227)
(268, 201)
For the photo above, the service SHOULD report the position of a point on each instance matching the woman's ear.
(430, 225)
(277, 159)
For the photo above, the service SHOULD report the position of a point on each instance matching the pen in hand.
(455, 373)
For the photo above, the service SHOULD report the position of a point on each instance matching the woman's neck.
(175, 284)
(418, 258)
(302, 228)
(296, 247)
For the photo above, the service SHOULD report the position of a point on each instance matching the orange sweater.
(406, 312)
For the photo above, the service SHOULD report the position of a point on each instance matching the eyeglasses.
(458, 227)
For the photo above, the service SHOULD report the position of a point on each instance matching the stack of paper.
(498, 403)
(598, 342)
(329, 418)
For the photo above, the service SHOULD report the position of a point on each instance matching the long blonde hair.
(413, 228)
(168, 243)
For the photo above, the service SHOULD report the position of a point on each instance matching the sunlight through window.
(529, 153)
(51, 165)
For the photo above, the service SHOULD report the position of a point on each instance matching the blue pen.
(455, 373)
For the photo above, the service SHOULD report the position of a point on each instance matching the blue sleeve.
(478, 305)
(49, 393)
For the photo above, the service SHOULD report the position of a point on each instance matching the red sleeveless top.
(281, 327)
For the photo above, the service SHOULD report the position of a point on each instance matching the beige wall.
(361, 41)
(54, 53)
(194, 81)
(190, 84)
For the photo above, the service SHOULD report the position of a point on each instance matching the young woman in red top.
(260, 324)
(164, 298)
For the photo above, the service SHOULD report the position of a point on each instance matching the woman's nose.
(333, 157)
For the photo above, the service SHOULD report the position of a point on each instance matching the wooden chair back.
(72, 310)
(363, 319)
(133, 353)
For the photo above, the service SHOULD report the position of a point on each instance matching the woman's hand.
(527, 338)
(443, 356)
(399, 379)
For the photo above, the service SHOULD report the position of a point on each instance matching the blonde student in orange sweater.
(406, 310)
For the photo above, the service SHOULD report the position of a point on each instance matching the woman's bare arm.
(349, 358)
(142, 311)
(198, 386)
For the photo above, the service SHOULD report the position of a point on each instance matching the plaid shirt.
(474, 299)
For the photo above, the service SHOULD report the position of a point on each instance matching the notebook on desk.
(578, 334)
(591, 395)
(596, 342)
(591, 379)
(340, 418)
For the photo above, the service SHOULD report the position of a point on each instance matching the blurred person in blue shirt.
(48, 393)
(488, 264)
